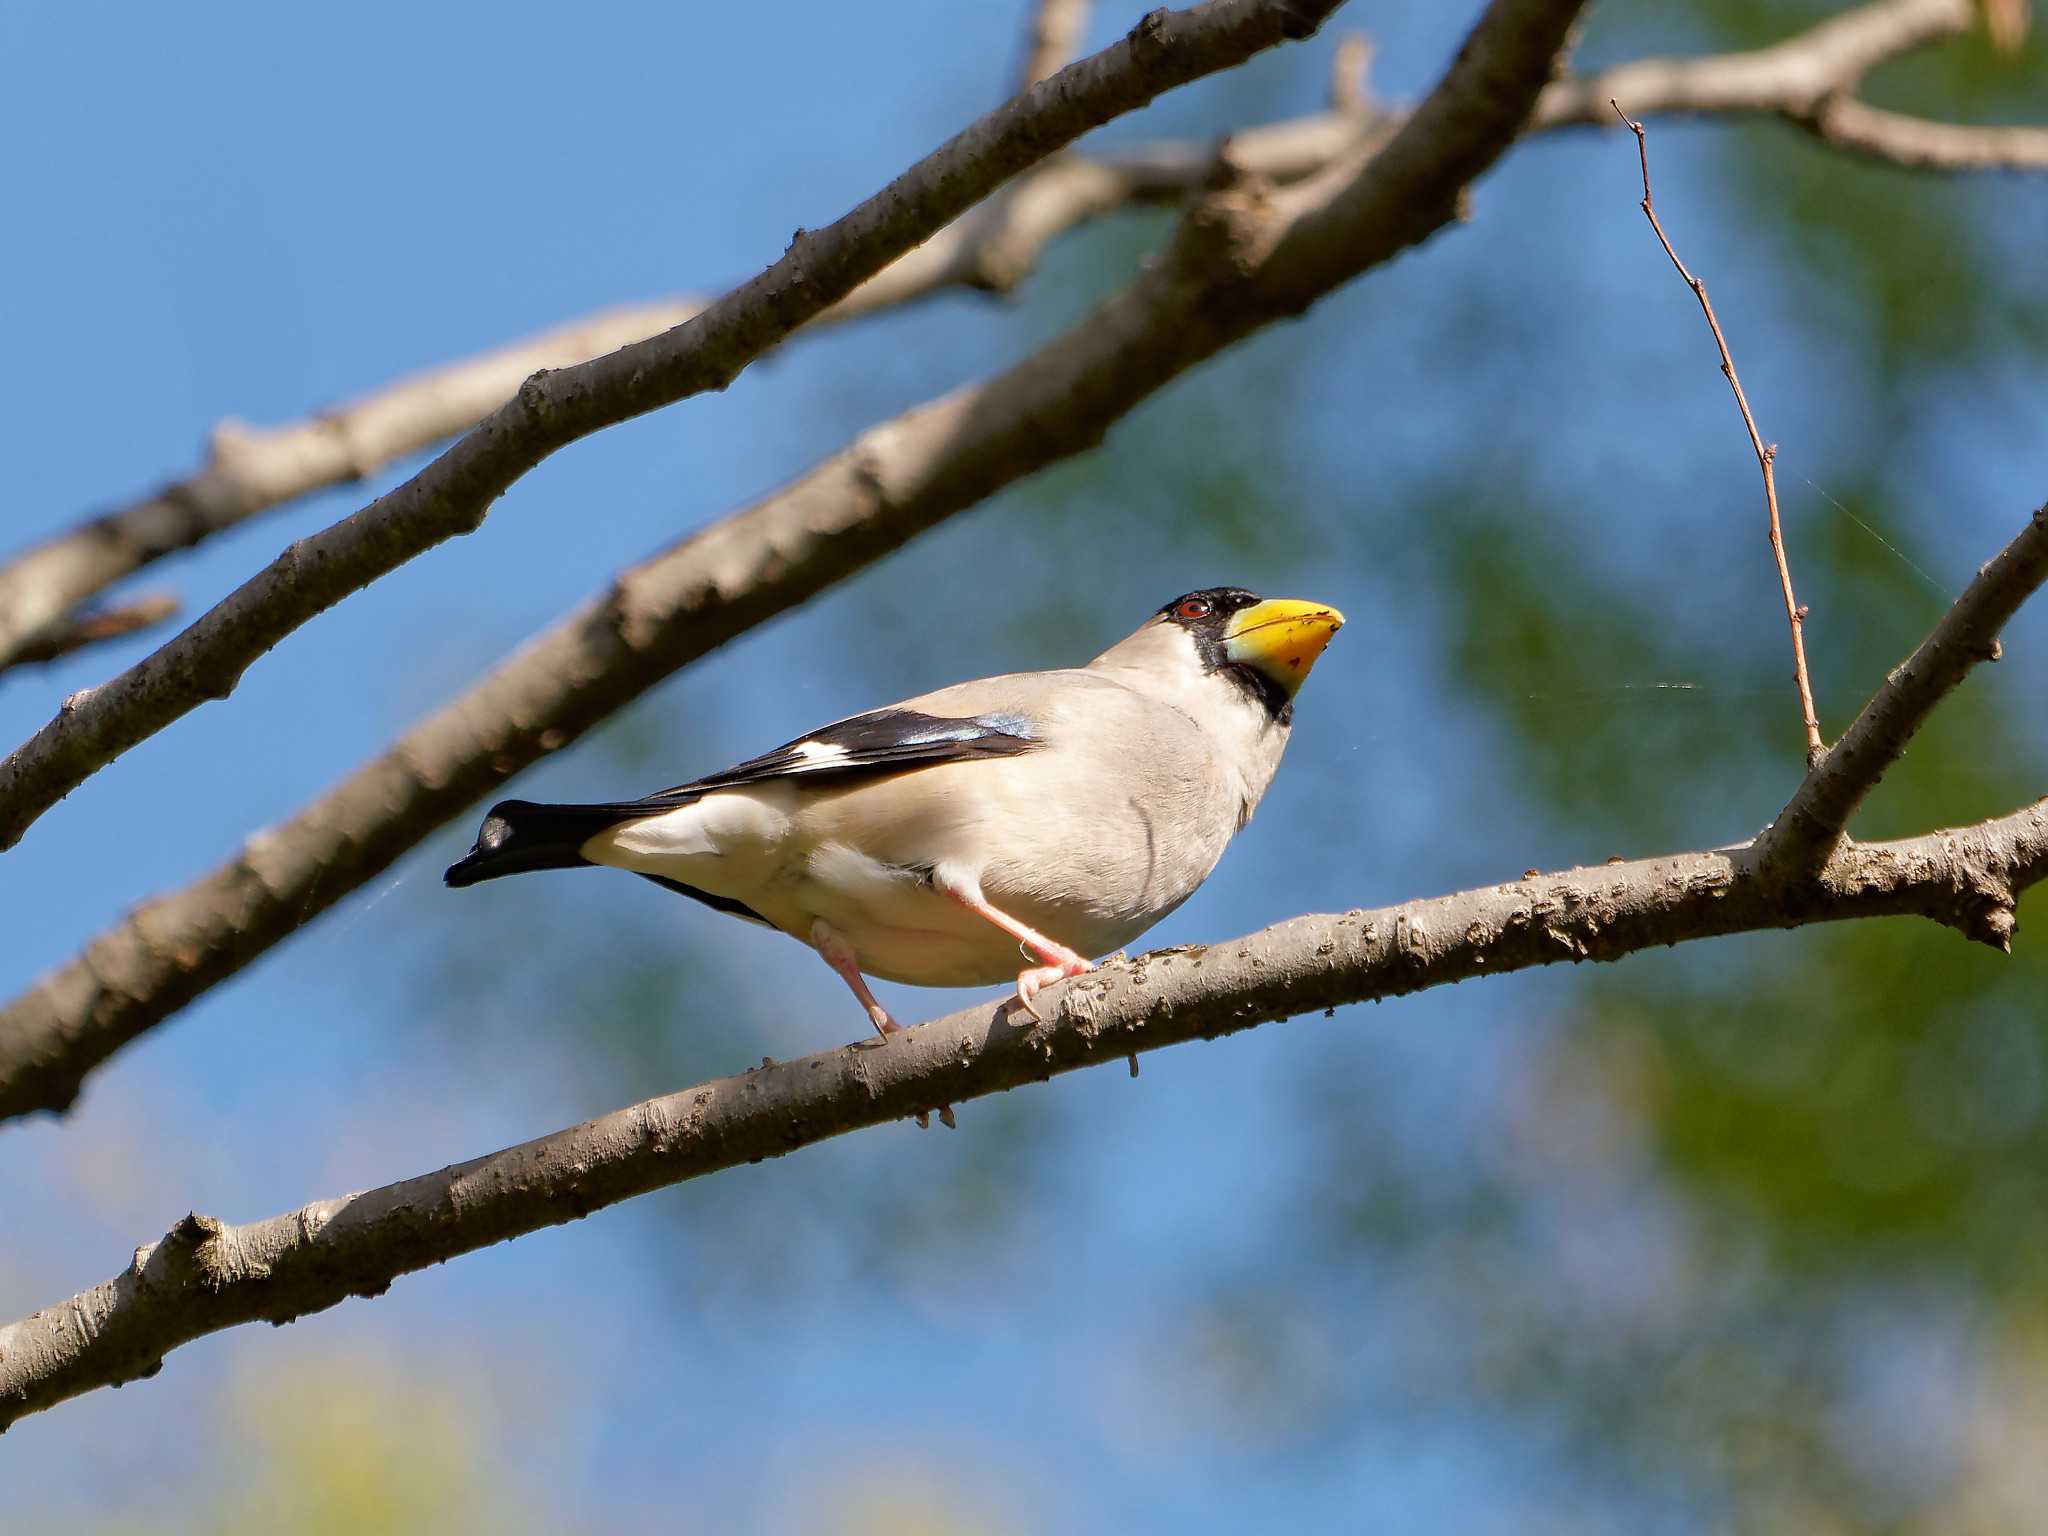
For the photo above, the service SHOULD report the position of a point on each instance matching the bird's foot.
(1030, 982)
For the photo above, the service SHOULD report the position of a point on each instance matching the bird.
(1061, 813)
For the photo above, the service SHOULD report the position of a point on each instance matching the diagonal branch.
(1240, 259)
(453, 494)
(1815, 820)
(994, 247)
(205, 1275)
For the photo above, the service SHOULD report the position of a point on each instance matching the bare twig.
(1813, 824)
(205, 1275)
(1766, 456)
(453, 494)
(1803, 79)
(1241, 258)
(1057, 27)
(89, 626)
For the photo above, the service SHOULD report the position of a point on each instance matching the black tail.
(519, 835)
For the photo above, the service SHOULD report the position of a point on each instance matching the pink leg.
(1060, 961)
(840, 956)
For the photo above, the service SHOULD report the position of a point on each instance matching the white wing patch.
(813, 755)
(883, 741)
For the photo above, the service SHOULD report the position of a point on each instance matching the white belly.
(794, 864)
(904, 928)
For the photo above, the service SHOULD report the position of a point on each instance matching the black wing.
(882, 741)
(518, 835)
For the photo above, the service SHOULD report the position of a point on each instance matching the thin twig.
(1766, 455)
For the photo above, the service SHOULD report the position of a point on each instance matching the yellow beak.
(1282, 637)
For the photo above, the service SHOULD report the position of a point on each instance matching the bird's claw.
(1031, 982)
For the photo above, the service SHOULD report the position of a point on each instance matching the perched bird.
(1061, 812)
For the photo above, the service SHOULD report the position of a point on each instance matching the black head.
(1210, 610)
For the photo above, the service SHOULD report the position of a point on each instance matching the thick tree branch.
(205, 1275)
(1239, 260)
(452, 495)
(1816, 818)
(993, 248)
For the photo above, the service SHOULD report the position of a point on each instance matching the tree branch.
(205, 1275)
(1239, 259)
(1810, 81)
(76, 630)
(1815, 820)
(1789, 78)
(993, 248)
(452, 495)
(1898, 139)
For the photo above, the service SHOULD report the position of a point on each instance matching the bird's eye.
(1195, 608)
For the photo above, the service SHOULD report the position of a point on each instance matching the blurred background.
(1747, 1234)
